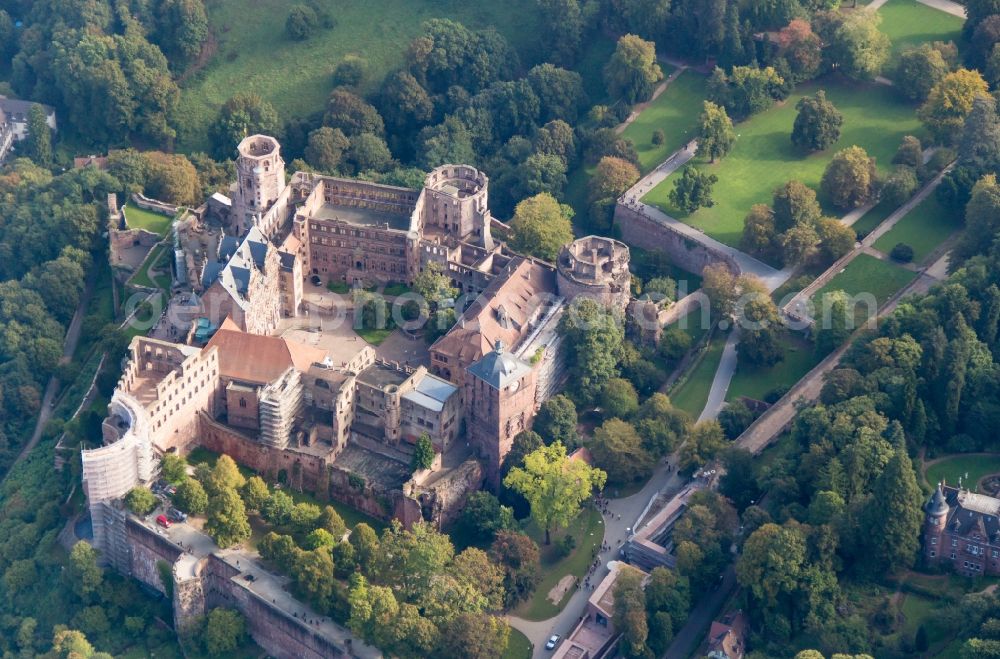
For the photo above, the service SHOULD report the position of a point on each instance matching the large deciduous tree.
(950, 102)
(918, 70)
(849, 179)
(595, 336)
(554, 485)
(242, 115)
(618, 449)
(191, 497)
(227, 521)
(716, 136)
(817, 125)
(541, 226)
(556, 420)
(857, 48)
(693, 190)
(632, 72)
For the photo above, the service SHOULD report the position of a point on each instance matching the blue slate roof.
(498, 368)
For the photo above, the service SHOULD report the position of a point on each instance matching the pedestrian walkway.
(640, 107)
(946, 6)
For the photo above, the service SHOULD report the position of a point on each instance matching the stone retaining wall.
(685, 252)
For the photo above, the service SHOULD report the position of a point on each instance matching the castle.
(962, 531)
(327, 413)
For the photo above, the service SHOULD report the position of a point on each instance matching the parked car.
(316, 281)
(176, 515)
(163, 521)
(553, 642)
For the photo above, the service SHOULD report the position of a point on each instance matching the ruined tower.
(260, 178)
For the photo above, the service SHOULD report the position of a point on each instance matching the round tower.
(455, 200)
(260, 178)
(935, 518)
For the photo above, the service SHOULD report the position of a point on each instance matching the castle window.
(933, 553)
(243, 402)
(933, 541)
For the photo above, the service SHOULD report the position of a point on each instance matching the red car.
(163, 521)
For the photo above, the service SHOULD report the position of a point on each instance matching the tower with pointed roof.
(500, 403)
(936, 516)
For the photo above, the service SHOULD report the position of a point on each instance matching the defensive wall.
(645, 232)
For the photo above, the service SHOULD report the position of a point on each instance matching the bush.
(659, 137)
(350, 72)
(301, 23)
(900, 186)
(566, 546)
(141, 501)
(775, 394)
(902, 253)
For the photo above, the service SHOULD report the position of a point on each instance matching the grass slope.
(867, 274)
(254, 54)
(909, 23)
(676, 112)
(518, 646)
(158, 258)
(765, 158)
(924, 228)
(692, 394)
(588, 530)
(755, 382)
(139, 218)
(950, 469)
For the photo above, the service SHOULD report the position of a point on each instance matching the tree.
(541, 226)
(483, 517)
(619, 450)
(423, 453)
(325, 149)
(560, 92)
(554, 485)
(404, 103)
(225, 631)
(313, 575)
(894, 511)
(693, 190)
(836, 239)
(83, 573)
(801, 48)
(595, 336)
(613, 177)
(719, 285)
(739, 483)
(473, 636)
(173, 468)
(331, 521)
(982, 217)
(365, 543)
(227, 521)
(242, 115)
(518, 555)
(350, 72)
(558, 139)
(301, 23)
(746, 90)
(630, 613)
(255, 493)
(704, 442)
(759, 232)
(716, 134)
(305, 517)
(141, 501)
(191, 497)
(225, 476)
(918, 70)
(798, 244)
(38, 144)
(850, 178)
(899, 186)
(795, 204)
(433, 285)
(632, 72)
(619, 399)
(910, 153)
(556, 420)
(758, 315)
(660, 424)
(734, 418)
(772, 562)
(368, 152)
(817, 125)
(172, 178)
(950, 102)
(857, 48)
(564, 22)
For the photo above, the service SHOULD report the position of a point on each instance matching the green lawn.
(909, 23)
(157, 259)
(518, 647)
(140, 218)
(764, 157)
(692, 394)
(950, 469)
(254, 54)
(867, 274)
(588, 529)
(867, 222)
(755, 382)
(676, 112)
(924, 228)
(374, 336)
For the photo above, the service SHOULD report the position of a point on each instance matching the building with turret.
(595, 267)
(962, 531)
